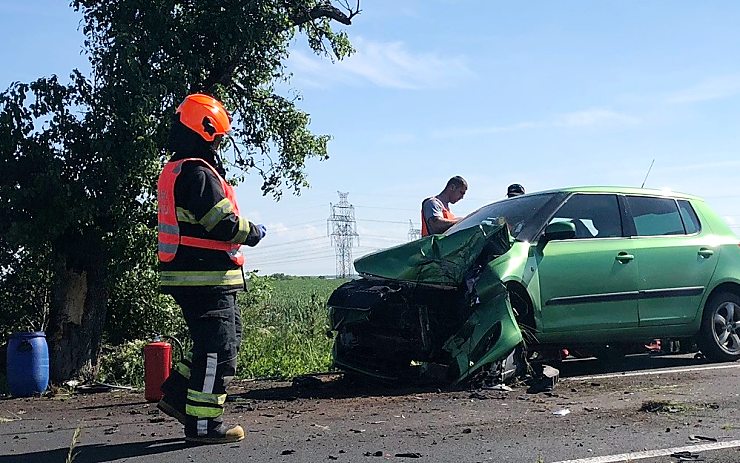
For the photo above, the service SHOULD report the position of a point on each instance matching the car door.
(675, 259)
(589, 282)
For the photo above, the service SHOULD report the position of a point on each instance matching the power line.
(303, 223)
(290, 255)
(381, 237)
(385, 208)
(284, 261)
(290, 242)
(381, 221)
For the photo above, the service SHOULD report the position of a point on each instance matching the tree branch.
(224, 74)
(325, 10)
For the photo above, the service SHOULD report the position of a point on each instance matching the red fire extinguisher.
(157, 364)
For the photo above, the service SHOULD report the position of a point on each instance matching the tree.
(80, 159)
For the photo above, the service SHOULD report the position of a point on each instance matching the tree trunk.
(77, 315)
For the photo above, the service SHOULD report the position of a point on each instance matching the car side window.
(655, 216)
(690, 220)
(594, 215)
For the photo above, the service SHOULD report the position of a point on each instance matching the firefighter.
(435, 210)
(200, 234)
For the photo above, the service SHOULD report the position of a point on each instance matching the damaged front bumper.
(427, 310)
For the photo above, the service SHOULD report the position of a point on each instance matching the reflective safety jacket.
(200, 230)
(445, 213)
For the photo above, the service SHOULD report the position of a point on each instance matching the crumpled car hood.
(395, 314)
(439, 259)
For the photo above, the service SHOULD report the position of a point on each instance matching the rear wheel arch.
(726, 287)
(714, 336)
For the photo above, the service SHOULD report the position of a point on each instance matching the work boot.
(170, 409)
(217, 435)
(175, 391)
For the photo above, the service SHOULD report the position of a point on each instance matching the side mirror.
(560, 231)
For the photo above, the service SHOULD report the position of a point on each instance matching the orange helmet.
(204, 115)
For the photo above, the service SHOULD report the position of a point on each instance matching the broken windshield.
(524, 214)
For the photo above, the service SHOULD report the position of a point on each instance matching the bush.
(123, 364)
(137, 310)
(284, 322)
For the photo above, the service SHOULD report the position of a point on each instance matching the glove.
(256, 233)
(262, 230)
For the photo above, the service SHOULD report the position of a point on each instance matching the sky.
(542, 93)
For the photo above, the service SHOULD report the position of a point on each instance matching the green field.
(284, 327)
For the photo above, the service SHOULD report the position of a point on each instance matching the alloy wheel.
(726, 331)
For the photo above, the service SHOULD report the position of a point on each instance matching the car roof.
(623, 190)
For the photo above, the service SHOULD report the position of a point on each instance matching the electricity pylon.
(341, 227)
(414, 233)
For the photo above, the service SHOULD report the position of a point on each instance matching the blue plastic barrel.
(28, 364)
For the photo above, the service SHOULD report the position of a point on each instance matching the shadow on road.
(641, 362)
(109, 405)
(99, 452)
(333, 386)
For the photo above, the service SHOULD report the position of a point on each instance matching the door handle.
(624, 257)
(706, 253)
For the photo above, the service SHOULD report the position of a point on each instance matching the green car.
(592, 269)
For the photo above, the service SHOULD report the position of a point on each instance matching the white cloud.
(384, 64)
(473, 131)
(715, 88)
(715, 165)
(593, 117)
(398, 138)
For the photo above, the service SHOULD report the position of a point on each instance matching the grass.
(284, 324)
(284, 328)
(71, 454)
(123, 364)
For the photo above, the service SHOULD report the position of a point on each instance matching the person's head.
(199, 124)
(514, 189)
(455, 189)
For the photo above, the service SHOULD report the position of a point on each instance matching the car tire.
(719, 338)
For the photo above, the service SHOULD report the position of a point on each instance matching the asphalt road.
(643, 409)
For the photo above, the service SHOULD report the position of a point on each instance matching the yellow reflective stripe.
(183, 369)
(216, 214)
(184, 215)
(205, 397)
(241, 235)
(201, 278)
(203, 412)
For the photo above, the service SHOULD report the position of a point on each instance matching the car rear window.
(690, 220)
(655, 216)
